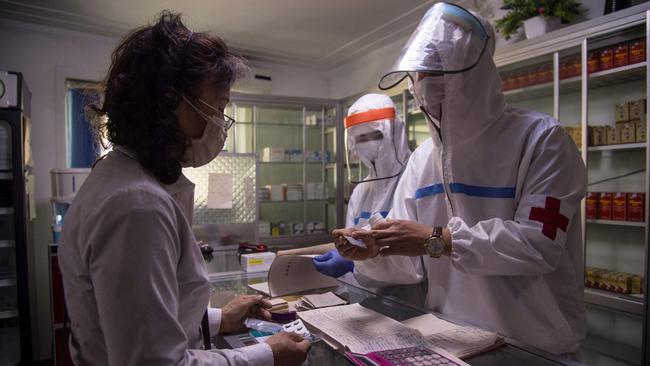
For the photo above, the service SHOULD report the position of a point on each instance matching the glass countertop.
(225, 286)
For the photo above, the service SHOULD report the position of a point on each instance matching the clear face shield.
(449, 39)
(371, 148)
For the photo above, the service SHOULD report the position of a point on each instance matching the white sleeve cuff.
(214, 320)
(258, 354)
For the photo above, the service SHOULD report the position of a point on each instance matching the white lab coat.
(136, 285)
(492, 177)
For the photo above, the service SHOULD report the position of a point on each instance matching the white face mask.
(204, 149)
(429, 93)
(368, 151)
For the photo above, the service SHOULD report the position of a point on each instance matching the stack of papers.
(279, 305)
(317, 301)
(461, 341)
(362, 330)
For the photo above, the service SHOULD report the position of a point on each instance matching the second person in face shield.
(136, 286)
(376, 136)
(491, 203)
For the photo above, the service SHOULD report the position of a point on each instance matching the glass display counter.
(226, 286)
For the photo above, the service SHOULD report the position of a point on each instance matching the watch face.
(436, 246)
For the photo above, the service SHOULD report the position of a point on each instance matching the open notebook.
(362, 330)
(292, 274)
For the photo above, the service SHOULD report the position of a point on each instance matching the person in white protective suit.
(377, 137)
(490, 204)
(136, 285)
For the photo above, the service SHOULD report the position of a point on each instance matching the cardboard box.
(637, 109)
(626, 132)
(592, 205)
(294, 192)
(315, 191)
(597, 135)
(605, 205)
(606, 59)
(621, 55)
(545, 74)
(636, 206)
(622, 112)
(637, 51)
(575, 132)
(533, 76)
(613, 138)
(278, 192)
(635, 284)
(640, 130)
(619, 206)
(272, 154)
(593, 62)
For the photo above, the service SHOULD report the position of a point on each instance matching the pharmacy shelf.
(7, 282)
(621, 147)
(599, 79)
(6, 210)
(8, 314)
(618, 75)
(616, 223)
(612, 349)
(611, 300)
(6, 243)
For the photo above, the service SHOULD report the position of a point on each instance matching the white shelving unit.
(292, 123)
(588, 100)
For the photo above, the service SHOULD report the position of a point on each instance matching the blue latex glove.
(332, 264)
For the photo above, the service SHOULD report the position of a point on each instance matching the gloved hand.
(332, 264)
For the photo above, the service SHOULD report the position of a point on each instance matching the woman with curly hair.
(136, 286)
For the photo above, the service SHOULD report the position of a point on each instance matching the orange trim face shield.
(369, 116)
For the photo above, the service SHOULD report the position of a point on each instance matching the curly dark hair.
(150, 70)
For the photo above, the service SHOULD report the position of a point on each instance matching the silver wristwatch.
(435, 245)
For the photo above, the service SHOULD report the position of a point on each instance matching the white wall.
(48, 56)
(363, 74)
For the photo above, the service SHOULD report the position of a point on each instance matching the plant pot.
(537, 26)
(514, 38)
(592, 9)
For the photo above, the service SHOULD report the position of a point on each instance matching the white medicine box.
(256, 262)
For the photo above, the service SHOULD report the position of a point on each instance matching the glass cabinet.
(592, 78)
(295, 140)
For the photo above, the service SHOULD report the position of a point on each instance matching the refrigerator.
(17, 210)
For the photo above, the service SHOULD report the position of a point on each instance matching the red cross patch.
(550, 217)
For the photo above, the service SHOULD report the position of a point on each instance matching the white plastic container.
(66, 182)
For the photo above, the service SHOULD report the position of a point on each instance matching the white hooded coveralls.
(507, 183)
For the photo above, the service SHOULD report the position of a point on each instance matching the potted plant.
(537, 16)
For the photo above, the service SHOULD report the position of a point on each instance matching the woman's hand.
(288, 349)
(397, 237)
(354, 252)
(238, 309)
